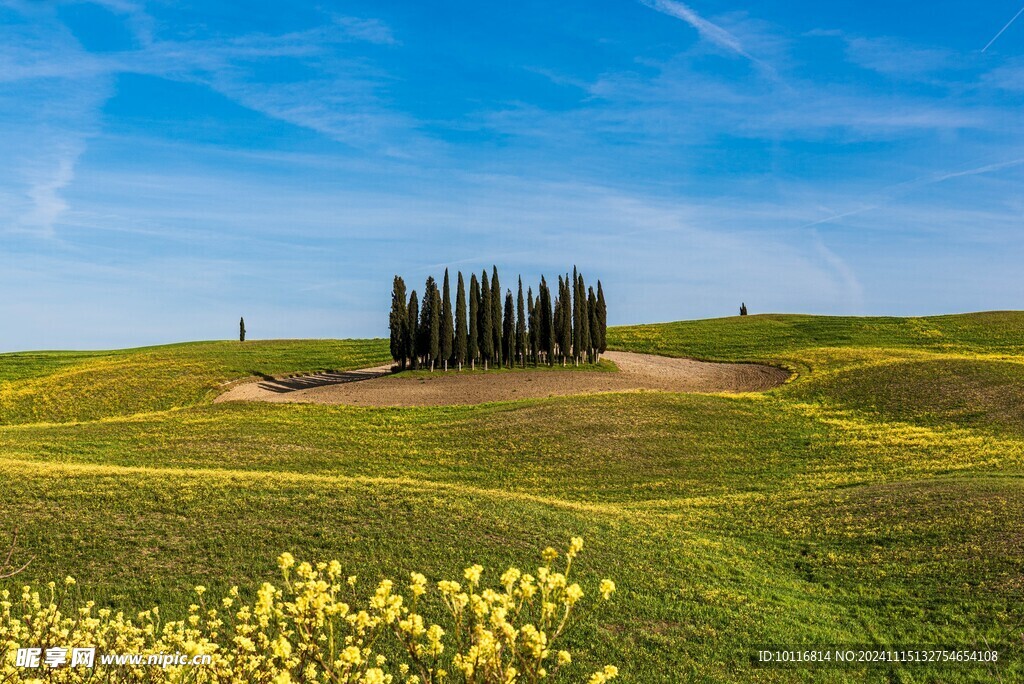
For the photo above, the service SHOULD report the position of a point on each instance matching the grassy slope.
(876, 499)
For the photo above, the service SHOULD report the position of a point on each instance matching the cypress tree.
(496, 326)
(520, 326)
(602, 319)
(423, 342)
(533, 337)
(595, 328)
(241, 329)
(578, 317)
(584, 336)
(447, 328)
(460, 323)
(473, 338)
(547, 339)
(398, 321)
(508, 330)
(435, 326)
(412, 331)
(486, 321)
(556, 332)
(566, 319)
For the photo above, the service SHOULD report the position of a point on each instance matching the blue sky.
(168, 167)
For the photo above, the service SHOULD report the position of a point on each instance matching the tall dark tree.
(533, 336)
(583, 339)
(547, 333)
(557, 331)
(398, 320)
(520, 352)
(565, 323)
(412, 337)
(486, 321)
(594, 325)
(434, 331)
(578, 316)
(447, 342)
(473, 338)
(461, 338)
(241, 329)
(743, 309)
(496, 326)
(508, 329)
(425, 337)
(602, 319)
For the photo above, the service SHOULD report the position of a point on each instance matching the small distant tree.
(520, 326)
(447, 332)
(398, 321)
(473, 337)
(486, 321)
(412, 337)
(461, 338)
(508, 330)
(743, 309)
(602, 319)
(241, 329)
(496, 326)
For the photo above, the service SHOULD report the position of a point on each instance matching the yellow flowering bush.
(314, 627)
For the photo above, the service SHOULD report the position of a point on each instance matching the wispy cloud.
(709, 31)
(1003, 30)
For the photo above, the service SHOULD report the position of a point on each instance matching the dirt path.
(376, 387)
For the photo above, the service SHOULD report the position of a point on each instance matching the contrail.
(1003, 29)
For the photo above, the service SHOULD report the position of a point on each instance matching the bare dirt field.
(376, 387)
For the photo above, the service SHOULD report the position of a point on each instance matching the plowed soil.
(377, 387)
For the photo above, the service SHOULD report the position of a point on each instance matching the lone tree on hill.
(486, 321)
(743, 309)
(473, 338)
(412, 330)
(397, 322)
(460, 323)
(447, 327)
(241, 329)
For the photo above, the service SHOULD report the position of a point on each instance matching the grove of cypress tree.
(520, 352)
(461, 340)
(435, 326)
(508, 330)
(594, 325)
(584, 336)
(447, 331)
(412, 331)
(496, 315)
(473, 337)
(602, 319)
(397, 321)
(486, 321)
(241, 329)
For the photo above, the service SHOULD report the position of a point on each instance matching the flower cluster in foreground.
(316, 628)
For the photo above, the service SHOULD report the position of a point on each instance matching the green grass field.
(876, 499)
